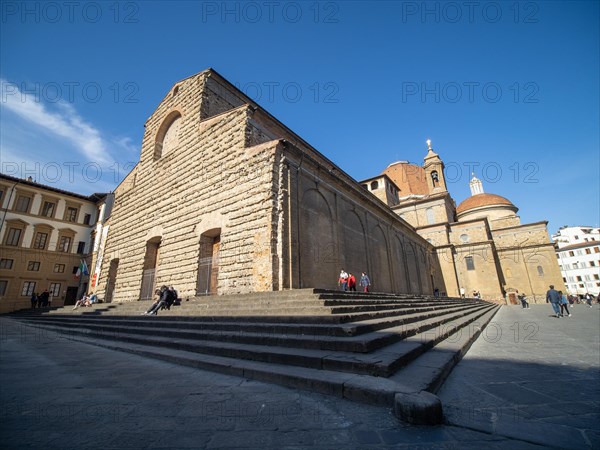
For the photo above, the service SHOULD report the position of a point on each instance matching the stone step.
(382, 349)
(334, 353)
(397, 392)
(429, 371)
(267, 326)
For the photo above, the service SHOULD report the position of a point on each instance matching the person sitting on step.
(162, 302)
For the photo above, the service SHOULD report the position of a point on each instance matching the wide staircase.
(393, 350)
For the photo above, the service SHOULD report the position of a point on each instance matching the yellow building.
(45, 234)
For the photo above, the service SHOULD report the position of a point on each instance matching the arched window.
(167, 137)
(374, 185)
(435, 179)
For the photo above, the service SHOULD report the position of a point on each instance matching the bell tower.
(434, 171)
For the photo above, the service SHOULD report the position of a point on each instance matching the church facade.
(225, 199)
(481, 244)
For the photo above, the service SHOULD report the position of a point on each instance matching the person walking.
(553, 297)
(34, 300)
(351, 282)
(524, 301)
(564, 305)
(343, 280)
(588, 299)
(365, 282)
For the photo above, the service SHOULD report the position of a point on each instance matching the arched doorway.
(112, 281)
(151, 260)
(208, 262)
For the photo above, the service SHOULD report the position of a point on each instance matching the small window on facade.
(374, 185)
(6, 263)
(71, 214)
(28, 288)
(75, 269)
(40, 240)
(470, 263)
(596, 249)
(64, 244)
(175, 90)
(588, 251)
(464, 237)
(571, 253)
(578, 278)
(87, 219)
(54, 289)
(13, 237)
(3, 286)
(80, 247)
(48, 209)
(592, 264)
(540, 271)
(59, 268)
(435, 179)
(33, 266)
(430, 216)
(23, 204)
(596, 276)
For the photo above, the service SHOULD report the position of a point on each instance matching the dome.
(484, 200)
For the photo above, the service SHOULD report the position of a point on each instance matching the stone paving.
(531, 376)
(56, 392)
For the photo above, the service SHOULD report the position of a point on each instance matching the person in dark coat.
(554, 298)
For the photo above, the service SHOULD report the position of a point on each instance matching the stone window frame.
(3, 189)
(6, 263)
(75, 206)
(81, 248)
(60, 267)
(34, 266)
(41, 228)
(470, 263)
(49, 200)
(3, 287)
(21, 194)
(374, 185)
(54, 287)
(87, 219)
(170, 118)
(28, 288)
(65, 233)
(15, 224)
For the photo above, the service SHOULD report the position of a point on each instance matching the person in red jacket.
(351, 282)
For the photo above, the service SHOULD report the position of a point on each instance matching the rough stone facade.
(225, 199)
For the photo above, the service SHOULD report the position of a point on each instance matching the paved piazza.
(530, 381)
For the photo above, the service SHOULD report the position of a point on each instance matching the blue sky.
(509, 89)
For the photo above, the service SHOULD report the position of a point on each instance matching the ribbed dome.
(481, 200)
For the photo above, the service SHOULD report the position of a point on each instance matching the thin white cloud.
(65, 122)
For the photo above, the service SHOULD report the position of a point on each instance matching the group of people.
(560, 303)
(347, 281)
(42, 300)
(166, 297)
(86, 300)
